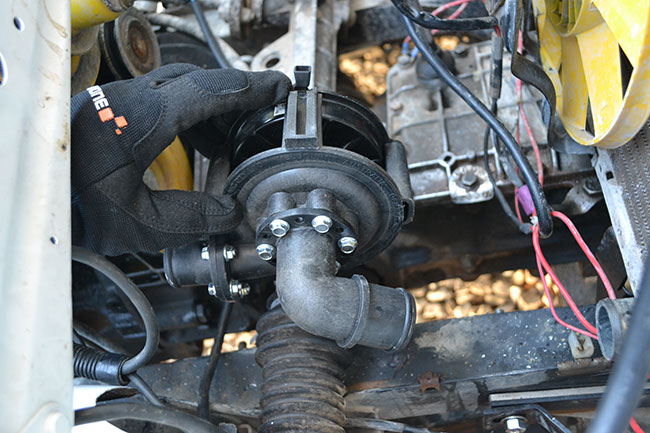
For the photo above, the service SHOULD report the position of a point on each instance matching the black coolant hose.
(631, 368)
(100, 365)
(539, 199)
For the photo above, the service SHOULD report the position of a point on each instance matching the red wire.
(533, 142)
(558, 283)
(443, 8)
(552, 307)
(454, 15)
(635, 427)
(585, 249)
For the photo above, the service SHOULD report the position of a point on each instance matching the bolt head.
(212, 290)
(229, 252)
(592, 186)
(265, 251)
(515, 424)
(321, 223)
(348, 244)
(279, 227)
(205, 253)
(469, 179)
(237, 288)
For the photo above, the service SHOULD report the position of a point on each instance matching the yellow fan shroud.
(597, 53)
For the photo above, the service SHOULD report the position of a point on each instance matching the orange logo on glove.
(103, 110)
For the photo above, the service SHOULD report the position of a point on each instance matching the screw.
(515, 424)
(205, 253)
(348, 244)
(279, 227)
(237, 288)
(229, 252)
(321, 223)
(265, 251)
(469, 179)
(212, 290)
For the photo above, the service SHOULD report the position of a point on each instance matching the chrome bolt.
(237, 288)
(229, 252)
(212, 290)
(348, 244)
(265, 251)
(321, 223)
(279, 227)
(205, 253)
(515, 424)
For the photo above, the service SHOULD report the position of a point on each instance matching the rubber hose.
(135, 295)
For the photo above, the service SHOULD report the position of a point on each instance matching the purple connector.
(526, 201)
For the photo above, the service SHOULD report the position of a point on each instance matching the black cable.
(137, 382)
(628, 379)
(212, 42)
(524, 228)
(411, 9)
(140, 302)
(543, 210)
(213, 361)
(144, 412)
(91, 335)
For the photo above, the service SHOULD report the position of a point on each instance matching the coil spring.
(302, 374)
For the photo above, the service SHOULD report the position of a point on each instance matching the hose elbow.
(350, 311)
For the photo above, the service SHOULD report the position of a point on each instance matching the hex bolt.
(515, 424)
(212, 290)
(321, 223)
(229, 252)
(205, 253)
(279, 227)
(348, 244)
(469, 179)
(265, 251)
(592, 186)
(237, 288)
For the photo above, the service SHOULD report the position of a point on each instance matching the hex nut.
(321, 223)
(347, 244)
(205, 253)
(238, 289)
(229, 252)
(212, 290)
(279, 227)
(265, 251)
(515, 424)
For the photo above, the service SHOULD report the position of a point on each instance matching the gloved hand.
(117, 131)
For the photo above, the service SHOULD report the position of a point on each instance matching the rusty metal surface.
(474, 357)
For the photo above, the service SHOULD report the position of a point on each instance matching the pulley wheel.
(597, 53)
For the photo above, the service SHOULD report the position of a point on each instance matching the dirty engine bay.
(352, 201)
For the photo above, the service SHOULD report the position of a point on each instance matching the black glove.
(120, 128)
